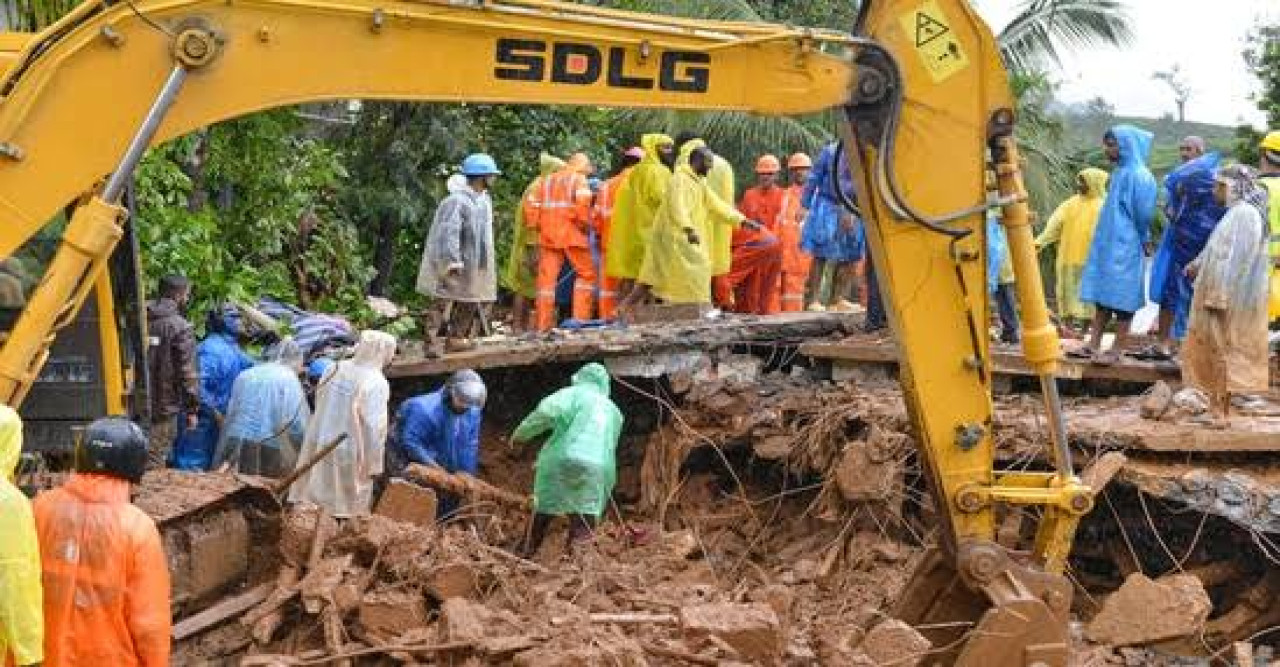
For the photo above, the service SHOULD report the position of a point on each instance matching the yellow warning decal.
(935, 41)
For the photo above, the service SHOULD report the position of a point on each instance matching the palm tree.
(1043, 29)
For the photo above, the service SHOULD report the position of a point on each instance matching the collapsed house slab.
(639, 340)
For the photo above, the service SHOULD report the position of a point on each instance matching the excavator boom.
(926, 118)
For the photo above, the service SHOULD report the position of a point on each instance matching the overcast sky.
(1205, 38)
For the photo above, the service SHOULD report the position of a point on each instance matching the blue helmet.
(479, 164)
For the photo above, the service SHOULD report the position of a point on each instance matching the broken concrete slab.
(408, 502)
(753, 630)
(893, 642)
(1146, 611)
(392, 613)
(454, 580)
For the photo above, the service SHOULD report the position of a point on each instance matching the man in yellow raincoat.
(1071, 228)
(21, 602)
(678, 266)
(638, 200)
(522, 264)
(1269, 176)
(723, 182)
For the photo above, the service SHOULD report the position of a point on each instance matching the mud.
(761, 518)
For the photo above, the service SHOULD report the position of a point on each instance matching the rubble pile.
(379, 589)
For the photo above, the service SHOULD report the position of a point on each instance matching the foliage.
(34, 15)
(1043, 29)
(272, 228)
(1262, 57)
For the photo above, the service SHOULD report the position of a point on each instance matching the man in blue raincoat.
(1112, 279)
(577, 467)
(441, 429)
(221, 360)
(832, 235)
(266, 416)
(1192, 213)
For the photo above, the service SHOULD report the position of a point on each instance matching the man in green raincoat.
(576, 468)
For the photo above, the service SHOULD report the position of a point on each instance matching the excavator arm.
(926, 123)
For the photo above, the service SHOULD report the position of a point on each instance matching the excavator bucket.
(1015, 606)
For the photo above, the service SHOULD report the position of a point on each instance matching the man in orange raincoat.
(795, 261)
(753, 276)
(106, 581)
(560, 211)
(602, 220)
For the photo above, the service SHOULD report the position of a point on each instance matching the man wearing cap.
(754, 272)
(795, 261)
(459, 268)
(602, 222)
(441, 429)
(560, 212)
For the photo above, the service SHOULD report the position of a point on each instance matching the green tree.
(1262, 57)
(1044, 30)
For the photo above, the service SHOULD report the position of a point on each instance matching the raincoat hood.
(549, 164)
(375, 349)
(457, 183)
(580, 163)
(10, 441)
(163, 307)
(1135, 144)
(1095, 181)
(593, 375)
(650, 144)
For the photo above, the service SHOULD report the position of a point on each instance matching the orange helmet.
(768, 164)
(580, 163)
(799, 161)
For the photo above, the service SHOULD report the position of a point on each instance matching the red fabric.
(792, 296)
(754, 276)
(790, 226)
(603, 220)
(550, 261)
(763, 206)
(608, 297)
(560, 209)
(106, 581)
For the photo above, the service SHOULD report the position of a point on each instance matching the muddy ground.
(760, 519)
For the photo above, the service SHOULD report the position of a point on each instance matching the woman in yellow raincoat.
(636, 205)
(21, 605)
(1071, 228)
(679, 264)
(522, 264)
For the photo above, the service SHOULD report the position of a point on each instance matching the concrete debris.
(893, 642)
(752, 630)
(1157, 401)
(1146, 611)
(391, 613)
(408, 502)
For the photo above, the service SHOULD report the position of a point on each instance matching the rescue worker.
(1112, 279)
(721, 181)
(520, 273)
(603, 213)
(221, 361)
(576, 468)
(106, 580)
(441, 429)
(1070, 228)
(1226, 348)
(1000, 280)
(351, 402)
(795, 261)
(1191, 212)
(459, 264)
(171, 360)
(21, 614)
(266, 416)
(832, 235)
(751, 285)
(560, 211)
(1191, 147)
(677, 268)
(1269, 177)
(638, 200)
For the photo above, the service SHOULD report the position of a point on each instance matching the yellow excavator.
(926, 126)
